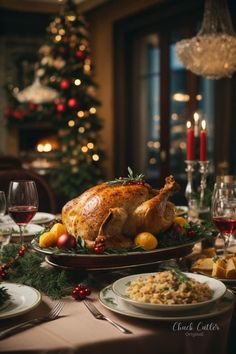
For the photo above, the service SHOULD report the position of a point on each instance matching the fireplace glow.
(44, 147)
(47, 145)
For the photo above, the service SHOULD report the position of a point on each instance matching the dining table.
(77, 331)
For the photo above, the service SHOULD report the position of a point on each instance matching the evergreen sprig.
(131, 178)
(29, 270)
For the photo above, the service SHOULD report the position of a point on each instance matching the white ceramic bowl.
(119, 287)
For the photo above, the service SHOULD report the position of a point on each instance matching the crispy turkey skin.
(117, 213)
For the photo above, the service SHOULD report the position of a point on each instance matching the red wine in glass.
(224, 210)
(22, 203)
(22, 214)
(226, 226)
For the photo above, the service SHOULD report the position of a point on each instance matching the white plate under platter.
(42, 218)
(30, 230)
(111, 301)
(120, 286)
(23, 298)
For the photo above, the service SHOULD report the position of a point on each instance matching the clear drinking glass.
(193, 210)
(3, 204)
(5, 237)
(22, 203)
(224, 210)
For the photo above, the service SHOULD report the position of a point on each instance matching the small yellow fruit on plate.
(58, 229)
(146, 240)
(180, 221)
(47, 239)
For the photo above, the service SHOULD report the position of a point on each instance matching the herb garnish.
(178, 274)
(4, 296)
(131, 179)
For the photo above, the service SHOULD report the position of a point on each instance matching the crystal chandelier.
(37, 93)
(212, 53)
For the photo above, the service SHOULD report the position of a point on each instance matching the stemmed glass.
(22, 203)
(224, 210)
(3, 204)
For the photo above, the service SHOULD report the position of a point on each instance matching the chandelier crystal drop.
(37, 93)
(212, 53)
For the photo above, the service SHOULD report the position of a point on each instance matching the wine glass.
(224, 210)
(3, 204)
(22, 203)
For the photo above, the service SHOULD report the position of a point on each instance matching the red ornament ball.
(72, 103)
(61, 107)
(19, 115)
(65, 84)
(66, 241)
(32, 106)
(62, 50)
(80, 54)
(7, 111)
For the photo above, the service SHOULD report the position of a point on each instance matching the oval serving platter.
(102, 261)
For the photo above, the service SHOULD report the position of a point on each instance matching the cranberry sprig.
(80, 292)
(4, 267)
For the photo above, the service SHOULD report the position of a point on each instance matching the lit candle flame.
(196, 117)
(204, 124)
(188, 124)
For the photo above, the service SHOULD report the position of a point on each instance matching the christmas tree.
(65, 74)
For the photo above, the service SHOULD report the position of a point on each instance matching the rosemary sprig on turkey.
(131, 179)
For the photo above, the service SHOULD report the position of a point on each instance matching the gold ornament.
(45, 50)
(59, 63)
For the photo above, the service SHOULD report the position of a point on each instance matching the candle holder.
(203, 169)
(189, 169)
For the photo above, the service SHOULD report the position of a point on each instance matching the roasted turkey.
(114, 214)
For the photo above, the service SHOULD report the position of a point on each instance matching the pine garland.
(29, 270)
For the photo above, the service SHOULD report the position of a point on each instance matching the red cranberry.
(21, 252)
(82, 294)
(75, 294)
(191, 233)
(99, 249)
(3, 274)
(87, 291)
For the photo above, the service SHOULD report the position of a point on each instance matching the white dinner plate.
(23, 298)
(111, 301)
(42, 218)
(181, 210)
(30, 230)
(120, 289)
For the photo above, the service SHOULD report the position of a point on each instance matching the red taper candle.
(203, 142)
(190, 142)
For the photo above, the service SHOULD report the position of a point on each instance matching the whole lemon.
(58, 229)
(47, 239)
(180, 221)
(146, 240)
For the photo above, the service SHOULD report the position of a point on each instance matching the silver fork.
(52, 315)
(99, 316)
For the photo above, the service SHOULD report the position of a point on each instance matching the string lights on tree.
(65, 66)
